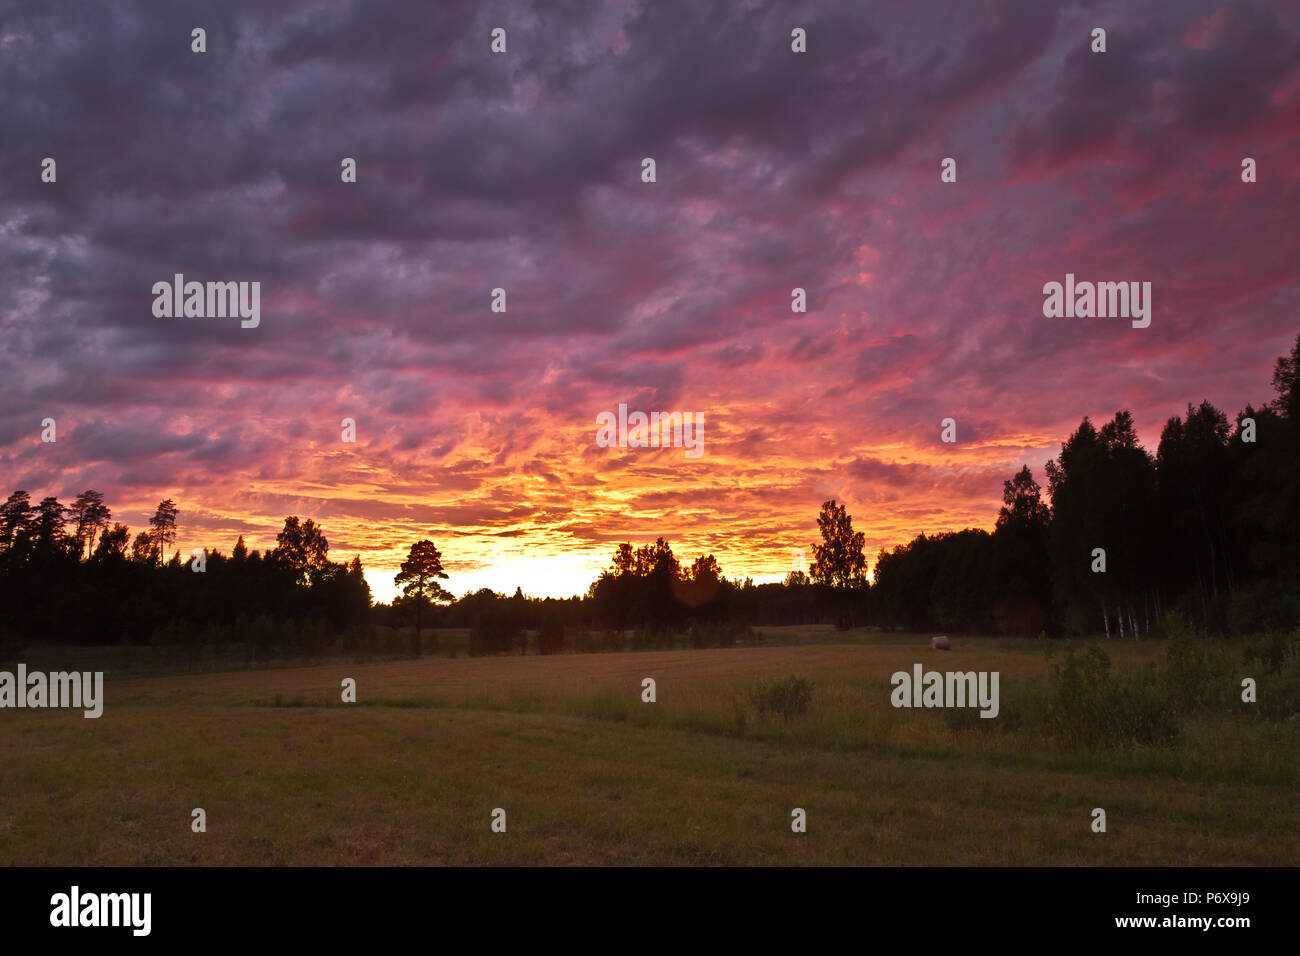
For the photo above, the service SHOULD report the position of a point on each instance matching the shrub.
(1279, 684)
(1175, 626)
(1279, 693)
(1271, 650)
(1195, 675)
(787, 697)
(1089, 707)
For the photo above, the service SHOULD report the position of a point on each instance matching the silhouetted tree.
(838, 561)
(89, 515)
(112, 544)
(50, 526)
(301, 549)
(961, 594)
(17, 522)
(418, 579)
(904, 583)
(1279, 466)
(162, 529)
(1103, 496)
(1286, 382)
(1021, 580)
(1194, 466)
(142, 548)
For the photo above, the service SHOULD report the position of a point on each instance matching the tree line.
(67, 575)
(1207, 526)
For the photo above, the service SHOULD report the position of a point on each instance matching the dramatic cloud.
(522, 171)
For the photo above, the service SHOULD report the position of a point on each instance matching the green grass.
(587, 773)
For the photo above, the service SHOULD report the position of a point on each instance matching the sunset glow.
(477, 428)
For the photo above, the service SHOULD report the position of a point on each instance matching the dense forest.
(1207, 527)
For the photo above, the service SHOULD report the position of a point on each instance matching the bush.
(1271, 650)
(1196, 675)
(1090, 708)
(1175, 626)
(1279, 692)
(787, 697)
(1278, 686)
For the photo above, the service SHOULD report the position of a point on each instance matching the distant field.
(587, 773)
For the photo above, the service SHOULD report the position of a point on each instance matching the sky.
(522, 170)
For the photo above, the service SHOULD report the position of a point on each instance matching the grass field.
(588, 773)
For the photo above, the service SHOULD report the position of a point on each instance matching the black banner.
(333, 906)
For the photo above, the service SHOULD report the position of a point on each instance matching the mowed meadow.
(590, 774)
